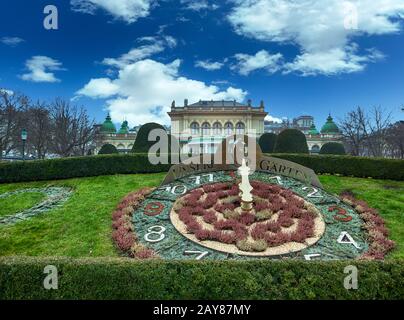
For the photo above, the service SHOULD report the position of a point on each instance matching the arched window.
(194, 128)
(228, 128)
(217, 128)
(206, 129)
(315, 149)
(240, 128)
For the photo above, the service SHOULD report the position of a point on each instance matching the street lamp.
(24, 135)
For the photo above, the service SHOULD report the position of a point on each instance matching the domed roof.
(124, 128)
(330, 127)
(108, 126)
(313, 130)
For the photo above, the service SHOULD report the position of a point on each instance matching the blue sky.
(133, 57)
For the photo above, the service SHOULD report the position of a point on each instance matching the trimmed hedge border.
(89, 166)
(119, 278)
(361, 167)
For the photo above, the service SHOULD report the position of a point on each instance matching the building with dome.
(106, 133)
(315, 139)
(328, 133)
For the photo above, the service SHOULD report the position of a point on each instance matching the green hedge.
(77, 167)
(138, 163)
(377, 168)
(22, 278)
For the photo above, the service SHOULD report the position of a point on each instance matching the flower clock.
(201, 216)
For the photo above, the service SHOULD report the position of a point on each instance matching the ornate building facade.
(106, 133)
(204, 124)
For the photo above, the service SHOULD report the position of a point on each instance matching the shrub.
(361, 167)
(267, 142)
(142, 143)
(291, 141)
(117, 278)
(108, 149)
(333, 148)
(88, 166)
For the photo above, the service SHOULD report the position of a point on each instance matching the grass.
(385, 195)
(19, 202)
(82, 227)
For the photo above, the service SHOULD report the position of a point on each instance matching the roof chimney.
(186, 103)
(262, 104)
(249, 102)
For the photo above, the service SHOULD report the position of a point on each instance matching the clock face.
(200, 217)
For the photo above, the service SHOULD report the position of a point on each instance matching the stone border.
(55, 197)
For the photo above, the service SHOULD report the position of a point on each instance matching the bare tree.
(395, 140)
(40, 129)
(72, 129)
(12, 107)
(376, 130)
(86, 133)
(365, 134)
(353, 130)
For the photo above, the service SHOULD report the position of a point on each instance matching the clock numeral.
(342, 215)
(346, 238)
(200, 254)
(278, 179)
(309, 257)
(155, 234)
(175, 190)
(153, 209)
(313, 193)
(198, 178)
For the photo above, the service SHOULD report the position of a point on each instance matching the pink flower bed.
(378, 234)
(122, 226)
(216, 205)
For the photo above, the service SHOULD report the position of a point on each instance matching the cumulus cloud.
(322, 30)
(198, 5)
(143, 90)
(127, 10)
(261, 60)
(209, 65)
(6, 91)
(11, 41)
(40, 69)
(273, 119)
(153, 46)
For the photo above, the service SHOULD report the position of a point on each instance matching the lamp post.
(24, 135)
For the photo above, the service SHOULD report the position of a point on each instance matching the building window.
(194, 128)
(240, 128)
(228, 128)
(206, 129)
(217, 128)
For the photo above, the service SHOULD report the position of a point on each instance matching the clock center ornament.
(245, 187)
(270, 209)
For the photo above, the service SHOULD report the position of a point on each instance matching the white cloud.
(209, 65)
(127, 10)
(198, 5)
(6, 91)
(143, 90)
(261, 60)
(11, 41)
(155, 45)
(39, 69)
(319, 30)
(273, 119)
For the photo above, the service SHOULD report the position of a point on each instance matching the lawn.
(19, 202)
(82, 227)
